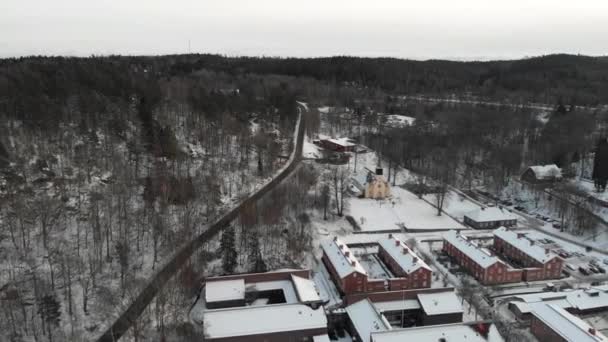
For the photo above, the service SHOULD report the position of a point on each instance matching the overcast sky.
(454, 29)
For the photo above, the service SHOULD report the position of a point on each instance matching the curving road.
(126, 319)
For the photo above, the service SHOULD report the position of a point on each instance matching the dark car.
(601, 269)
(583, 270)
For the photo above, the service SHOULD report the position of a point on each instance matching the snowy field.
(456, 204)
(404, 208)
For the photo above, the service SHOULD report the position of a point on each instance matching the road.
(172, 266)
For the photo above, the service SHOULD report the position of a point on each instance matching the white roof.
(321, 338)
(491, 214)
(254, 320)
(440, 303)
(285, 285)
(569, 327)
(534, 251)
(305, 289)
(337, 256)
(581, 299)
(470, 249)
(546, 171)
(397, 305)
(366, 319)
(342, 141)
(224, 290)
(408, 260)
(449, 332)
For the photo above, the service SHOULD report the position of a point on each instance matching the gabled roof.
(470, 249)
(568, 326)
(366, 319)
(403, 255)
(526, 246)
(336, 252)
(305, 289)
(342, 142)
(546, 171)
(491, 214)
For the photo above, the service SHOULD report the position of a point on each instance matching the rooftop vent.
(379, 171)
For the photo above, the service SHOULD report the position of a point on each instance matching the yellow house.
(373, 185)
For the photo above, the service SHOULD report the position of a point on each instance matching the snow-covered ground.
(456, 205)
(402, 209)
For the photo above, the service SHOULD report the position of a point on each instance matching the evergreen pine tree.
(229, 255)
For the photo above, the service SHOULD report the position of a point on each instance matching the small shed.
(338, 145)
(490, 218)
(542, 174)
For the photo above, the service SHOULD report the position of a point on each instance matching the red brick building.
(538, 263)
(406, 270)
(478, 262)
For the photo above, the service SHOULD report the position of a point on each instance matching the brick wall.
(544, 333)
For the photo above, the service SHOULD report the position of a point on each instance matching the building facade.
(538, 263)
(479, 263)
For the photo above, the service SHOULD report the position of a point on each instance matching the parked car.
(519, 207)
(583, 270)
(557, 225)
(601, 269)
(571, 267)
(592, 269)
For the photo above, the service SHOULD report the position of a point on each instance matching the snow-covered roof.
(397, 305)
(321, 338)
(440, 303)
(546, 171)
(285, 285)
(470, 249)
(581, 299)
(402, 254)
(305, 289)
(490, 214)
(255, 320)
(342, 142)
(568, 326)
(448, 332)
(366, 319)
(336, 251)
(224, 290)
(526, 246)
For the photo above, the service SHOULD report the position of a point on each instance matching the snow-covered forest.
(107, 165)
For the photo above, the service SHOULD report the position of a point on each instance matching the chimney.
(379, 171)
(341, 247)
(353, 263)
(547, 250)
(390, 236)
(397, 242)
(347, 254)
(405, 251)
(335, 238)
(520, 235)
(592, 331)
(483, 208)
(415, 260)
(531, 242)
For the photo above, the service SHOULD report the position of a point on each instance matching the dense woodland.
(108, 163)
